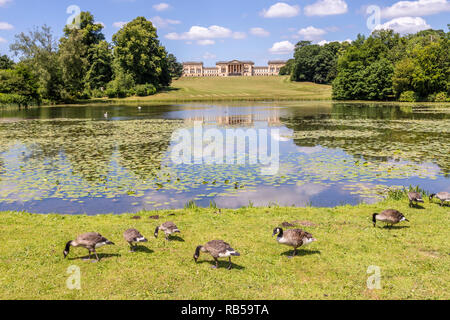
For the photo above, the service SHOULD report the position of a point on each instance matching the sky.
(213, 30)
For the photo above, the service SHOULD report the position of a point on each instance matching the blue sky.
(213, 30)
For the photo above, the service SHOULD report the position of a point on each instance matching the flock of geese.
(295, 238)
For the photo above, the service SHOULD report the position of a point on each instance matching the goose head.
(374, 219)
(277, 231)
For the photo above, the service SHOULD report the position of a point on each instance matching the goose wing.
(132, 235)
(296, 236)
(414, 196)
(393, 215)
(91, 239)
(169, 226)
(218, 248)
(443, 196)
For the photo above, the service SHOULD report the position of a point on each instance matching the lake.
(97, 159)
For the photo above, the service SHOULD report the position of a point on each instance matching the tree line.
(383, 66)
(83, 65)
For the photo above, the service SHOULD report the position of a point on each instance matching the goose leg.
(229, 266)
(294, 254)
(131, 247)
(216, 266)
(96, 255)
(88, 259)
(167, 237)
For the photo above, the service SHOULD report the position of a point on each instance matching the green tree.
(21, 84)
(38, 49)
(315, 63)
(287, 69)
(138, 52)
(79, 52)
(175, 68)
(100, 71)
(6, 62)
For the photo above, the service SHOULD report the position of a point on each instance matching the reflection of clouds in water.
(283, 135)
(283, 196)
(310, 150)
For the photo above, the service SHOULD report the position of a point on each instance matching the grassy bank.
(414, 258)
(237, 89)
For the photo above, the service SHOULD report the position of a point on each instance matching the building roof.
(192, 62)
(277, 62)
(235, 61)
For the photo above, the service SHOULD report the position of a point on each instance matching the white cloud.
(201, 33)
(326, 8)
(283, 47)
(239, 35)
(405, 25)
(209, 56)
(259, 32)
(324, 42)
(3, 40)
(415, 8)
(161, 6)
(281, 10)
(3, 3)
(119, 24)
(163, 23)
(205, 42)
(6, 26)
(311, 33)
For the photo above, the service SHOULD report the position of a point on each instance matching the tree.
(100, 71)
(138, 52)
(6, 62)
(315, 63)
(175, 68)
(38, 49)
(287, 69)
(79, 52)
(20, 84)
(74, 64)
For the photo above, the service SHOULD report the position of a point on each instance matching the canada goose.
(415, 197)
(217, 249)
(390, 217)
(294, 238)
(168, 228)
(442, 196)
(90, 241)
(133, 236)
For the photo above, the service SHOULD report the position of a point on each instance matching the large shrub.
(408, 96)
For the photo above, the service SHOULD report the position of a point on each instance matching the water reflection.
(72, 160)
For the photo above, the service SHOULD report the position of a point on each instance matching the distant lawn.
(413, 258)
(239, 89)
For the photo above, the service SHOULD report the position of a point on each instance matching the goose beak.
(314, 240)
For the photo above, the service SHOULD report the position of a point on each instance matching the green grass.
(414, 259)
(274, 88)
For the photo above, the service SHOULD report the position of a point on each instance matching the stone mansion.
(232, 68)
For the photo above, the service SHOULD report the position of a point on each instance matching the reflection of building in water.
(232, 68)
(232, 120)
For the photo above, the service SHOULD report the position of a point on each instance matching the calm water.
(115, 159)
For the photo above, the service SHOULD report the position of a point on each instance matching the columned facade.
(234, 68)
